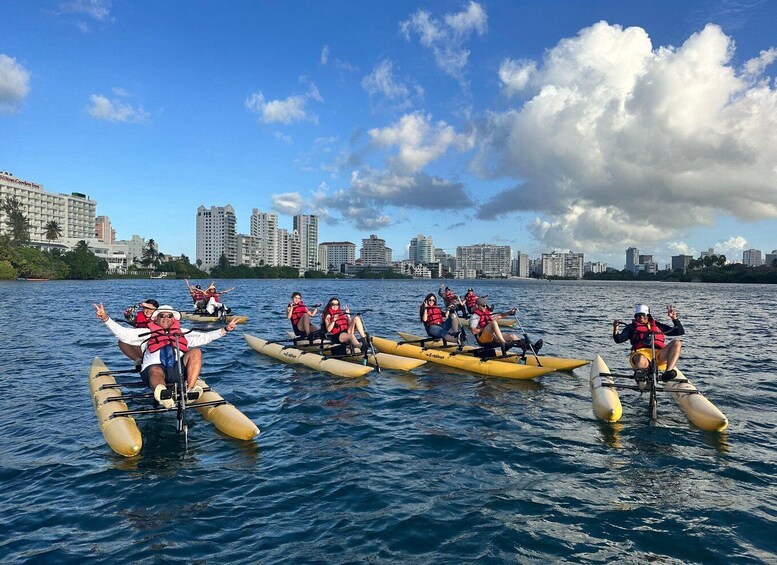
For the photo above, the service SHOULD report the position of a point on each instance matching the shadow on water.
(610, 433)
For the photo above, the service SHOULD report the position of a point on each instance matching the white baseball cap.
(641, 309)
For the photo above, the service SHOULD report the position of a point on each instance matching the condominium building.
(632, 259)
(771, 258)
(264, 227)
(134, 247)
(374, 252)
(335, 254)
(594, 267)
(307, 227)
(421, 249)
(681, 262)
(103, 230)
(216, 235)
(289, 249)
(75, 213)
(248, 250)
(563, 264)
(752, 258)
(520, 265)
(485, 259)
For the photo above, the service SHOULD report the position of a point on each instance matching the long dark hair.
(326, 312)
(424, 306)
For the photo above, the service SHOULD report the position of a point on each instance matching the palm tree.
(151, 256)
(17, 222)
(52, 229)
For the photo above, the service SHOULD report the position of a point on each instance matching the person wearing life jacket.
(441, 324)
(451, 299)
(199, 298)
(339, 326)
(138, 319)
(299, 315)
(641, 331)
(470, 298)
(157, 341)
(213, 305)
(485, 328)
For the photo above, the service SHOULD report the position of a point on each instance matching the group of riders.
(156, 341)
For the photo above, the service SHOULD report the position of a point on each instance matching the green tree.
(7, 272)
(223, 262)
(83, 264)
(151, 256)
(53, 230)
(17, 222)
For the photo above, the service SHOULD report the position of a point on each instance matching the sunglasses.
(335, 304)
(432, 300)
(640, 315)
(168, 316)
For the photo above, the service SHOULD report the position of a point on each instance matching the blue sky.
(589, 126)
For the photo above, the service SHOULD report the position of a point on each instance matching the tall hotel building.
(306, 225)
(216, 234)
(75, 213)
(264, 227)
(421, 249)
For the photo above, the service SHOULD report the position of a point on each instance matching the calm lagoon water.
(437, 466)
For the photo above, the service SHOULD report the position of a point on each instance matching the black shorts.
(169, 374)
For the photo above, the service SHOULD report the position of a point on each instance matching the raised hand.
(100, 311)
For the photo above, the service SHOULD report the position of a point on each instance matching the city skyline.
(573, 126)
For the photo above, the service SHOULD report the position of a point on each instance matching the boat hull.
(212, 319)
(226, 417)
(296, 356)
(121, 433)
(699, 410)
(380, 359)
(556, 363)
(607, 404)
(489, 368)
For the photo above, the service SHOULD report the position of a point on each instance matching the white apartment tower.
(752, 258)
(75, 213)
(336, 253)
(563, 264)
(307, 227)
(486, 259)
(632, 259)
(421, 249)
(264, 227)
(374, 252)
(216, 234)
(289, 248)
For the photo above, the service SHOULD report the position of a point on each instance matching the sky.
(574, 125)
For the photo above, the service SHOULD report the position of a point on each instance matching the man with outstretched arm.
(640, 332)
(485, 328)
(157, 342)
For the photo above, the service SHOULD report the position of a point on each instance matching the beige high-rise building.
(307, 227)
(103, 230)
(484, 259)
(336, 253)
(374, 252)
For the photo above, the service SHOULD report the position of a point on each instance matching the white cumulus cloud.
(617, 138)
(14, 84)
(287, 111)
(381, 81)
(103, 108)
(446, 38)
(418, 141)
(290, 203)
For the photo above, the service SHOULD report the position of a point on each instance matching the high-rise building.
(103, 230)
(771, 258)
(374, 252)
(421, 249)
(307, 227)
(681, 262)
(520, 265)
(484, 259)
(134, 248)
(563, 264)
(337, 253)
(289, 248)
(752, 258)
(264, 227)
(75, 213)
(216, 235)
(594, 267)
(632, 259)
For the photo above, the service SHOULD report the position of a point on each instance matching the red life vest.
(640, 339)
(141, 320)
(198, 294)
(161, 337)
(340, 319)
(297, 311)
(470, 300)
(484, 316)
(449, 297)
(212, 294)
(433, 317)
